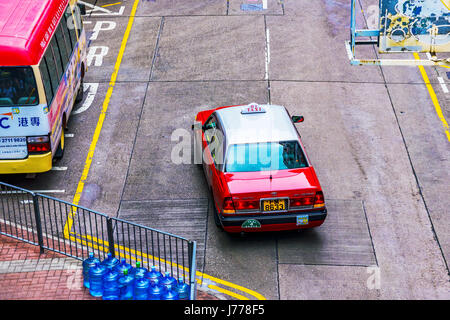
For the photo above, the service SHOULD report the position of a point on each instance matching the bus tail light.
(39, 144)
(228, 206)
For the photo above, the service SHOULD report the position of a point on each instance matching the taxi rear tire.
(216, 217)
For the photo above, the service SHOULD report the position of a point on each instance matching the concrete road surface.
(373, 135)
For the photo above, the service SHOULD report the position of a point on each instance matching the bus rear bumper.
(33, 164)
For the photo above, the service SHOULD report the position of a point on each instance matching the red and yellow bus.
(42, 65)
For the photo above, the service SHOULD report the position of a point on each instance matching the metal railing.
(75, 231)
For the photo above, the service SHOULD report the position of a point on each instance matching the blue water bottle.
(155, 291)
(87, 264)
(96, 274)
(168, 282)
(169, 294)
(139, 272)
(126, 286)
(110, 262)
(111, 289)
(123, 265)
(141, 286)
(154, 276)
(182, 289)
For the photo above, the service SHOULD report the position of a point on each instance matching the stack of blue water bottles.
(112, 279)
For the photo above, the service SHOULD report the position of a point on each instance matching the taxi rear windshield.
(265, 156)
(17, 87)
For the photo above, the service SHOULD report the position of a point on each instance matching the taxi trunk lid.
(272, 184)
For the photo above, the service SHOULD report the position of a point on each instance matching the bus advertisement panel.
(42, 65)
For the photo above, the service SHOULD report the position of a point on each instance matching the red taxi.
(257, 169)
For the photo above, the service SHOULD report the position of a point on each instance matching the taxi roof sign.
(253, 108)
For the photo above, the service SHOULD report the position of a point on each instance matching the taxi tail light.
(39, 144)
(303, 201)
(319, 200)
(228, 205)
(246, 204)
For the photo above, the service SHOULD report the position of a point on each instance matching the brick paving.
(25, 274)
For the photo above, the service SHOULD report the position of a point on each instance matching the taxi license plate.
(273, 205)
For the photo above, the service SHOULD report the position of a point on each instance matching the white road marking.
(92, 91)
(35, 191)
(105, 12)
(264, 4)
(96, 57)
(69, 135)
(59, 168)
(267, 53)
(443, 85)
(102, 26)
(48, 191)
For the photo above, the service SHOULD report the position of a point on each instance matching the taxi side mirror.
(297, 119)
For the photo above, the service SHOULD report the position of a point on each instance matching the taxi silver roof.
(273, 125)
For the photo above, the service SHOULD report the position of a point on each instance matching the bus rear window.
(17, 87)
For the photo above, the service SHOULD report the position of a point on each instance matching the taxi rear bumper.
(273, 222)
(33, 164)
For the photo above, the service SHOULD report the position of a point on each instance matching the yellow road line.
(101, 119)
(232, 285)
(437, 106)
(112, 4)
(90, 156)
(447, 5)
(228, 292)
